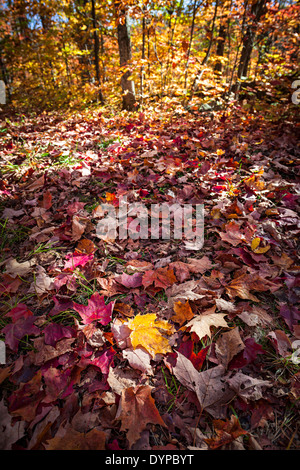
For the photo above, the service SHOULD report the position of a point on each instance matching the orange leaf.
(161, 277)
(226, 432)
(70, 439)
(183, 312)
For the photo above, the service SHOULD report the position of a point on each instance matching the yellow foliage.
(150, 333)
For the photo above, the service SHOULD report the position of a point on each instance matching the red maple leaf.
(95, 310)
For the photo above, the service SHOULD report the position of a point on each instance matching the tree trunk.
(96, 51)
(221, 43)
(212, 34)
(143, 58)
(124, 43)
(257, 11)
(195, 8)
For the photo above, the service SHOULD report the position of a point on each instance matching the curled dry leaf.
(228, 345)
(246, 387)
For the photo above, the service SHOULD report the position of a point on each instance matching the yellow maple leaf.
(256, 248)
(150, 333)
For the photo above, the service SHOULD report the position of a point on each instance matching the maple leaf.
(19, 311)
(226, 432)
(183, 312)
(240, 287)
(228, 345)
(258, 249)
(210, 386)
(161, 278)
(183, 291)
(95, 310)
(130, 281)
(14, 332)
(78, 227)
(47, 200)
(248, 388)
(77, 259)
(199, 265)
(136, 410)
(14, 268)
(58, 384)
(86, 246)
(46, 352)
(69, 439)
(187, 349)
(10, 433)
(247, 355)
(139, 359)
(54, 332)
(102, 360)
(232, 234)
(150, 333)
(201, 324)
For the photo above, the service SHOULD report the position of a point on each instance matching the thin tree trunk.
(211, 34)
(143, 58)
(195, 8)
(257, 10)
(221, 43)
(96, 51)
(125, 54)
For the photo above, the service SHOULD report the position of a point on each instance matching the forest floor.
(148, 344)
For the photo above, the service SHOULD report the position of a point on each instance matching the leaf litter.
(131, 344)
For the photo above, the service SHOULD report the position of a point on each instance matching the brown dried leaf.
(137, 409)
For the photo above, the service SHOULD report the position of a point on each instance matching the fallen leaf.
(78, 227)
(136, 410)
(10, 432)
(228, 345)
(161, 278)
(210, 385)
(201, 324)
(246, 387)
(183, 312)
(232, 234)
(226, 432)
(183, 291)
(150, 333)
(14, 268)
(139, 359)
(131, 281)
(68, 438)
(47, 200)
(95, 310)
(14, 332)
(201, 265)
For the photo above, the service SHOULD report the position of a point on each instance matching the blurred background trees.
(132, 53)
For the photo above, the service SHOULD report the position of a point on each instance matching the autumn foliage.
(141, 344)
